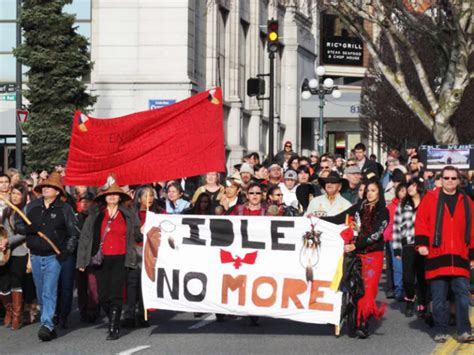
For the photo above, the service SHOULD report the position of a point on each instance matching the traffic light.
(255, 87)
(273, 39)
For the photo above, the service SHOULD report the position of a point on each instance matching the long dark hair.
(420, 188)
(139, 194)
(23, 188)
(368, 213)
(196, 209)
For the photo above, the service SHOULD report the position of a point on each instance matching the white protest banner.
(242, 265)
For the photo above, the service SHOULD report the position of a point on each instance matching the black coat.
(58, 222)
(368, 242)
(89, 240)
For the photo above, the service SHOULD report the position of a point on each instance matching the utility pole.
(271, 113)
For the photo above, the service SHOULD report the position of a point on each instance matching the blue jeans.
(439, 291)
(397, 274)
(46, 271)
(66, 287)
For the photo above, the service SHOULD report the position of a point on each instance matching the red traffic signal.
(273, 39)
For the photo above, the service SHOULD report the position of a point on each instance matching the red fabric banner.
(180, 140)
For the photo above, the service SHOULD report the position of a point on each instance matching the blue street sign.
(152, 104)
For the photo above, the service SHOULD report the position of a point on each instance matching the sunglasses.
(350, 164)
(30, 185)
(453, 178)
(288, 146)
(254, 193)
(278, 195)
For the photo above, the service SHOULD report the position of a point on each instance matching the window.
(221, 45)
(7, 36)
(7, 10)
(242, 59)
(84, 29)
(7, 68)
(81, 8)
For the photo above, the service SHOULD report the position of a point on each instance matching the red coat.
(452, 257)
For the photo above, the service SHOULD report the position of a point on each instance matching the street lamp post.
(19, 103)
(320, 88)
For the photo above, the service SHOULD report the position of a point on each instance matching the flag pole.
(145, 310)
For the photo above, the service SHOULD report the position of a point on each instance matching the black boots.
(409, 307)
(114, 322)
(362, 331)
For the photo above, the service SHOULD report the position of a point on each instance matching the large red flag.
(180, 140)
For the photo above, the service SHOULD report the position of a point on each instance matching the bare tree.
(447, 24)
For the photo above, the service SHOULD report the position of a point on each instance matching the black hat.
(398, 176)
(87, 196)
(333, 178)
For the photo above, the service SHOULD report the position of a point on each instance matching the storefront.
(342, 129)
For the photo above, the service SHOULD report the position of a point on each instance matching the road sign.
(152, 104)
(7, 88)
(7, 97)
(22, 116)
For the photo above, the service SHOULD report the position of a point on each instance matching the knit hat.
(274, 166)
(246, 168)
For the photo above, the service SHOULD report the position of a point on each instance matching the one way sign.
(22, 115)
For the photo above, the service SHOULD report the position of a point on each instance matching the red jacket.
(387, 234)
(452, 257)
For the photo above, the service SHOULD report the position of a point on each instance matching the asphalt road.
(181, 333)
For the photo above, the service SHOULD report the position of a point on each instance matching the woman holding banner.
(370, 218)
(134, 314)
(107, 243)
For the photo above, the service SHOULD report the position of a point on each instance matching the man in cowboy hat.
(331, 203)
(56, 219)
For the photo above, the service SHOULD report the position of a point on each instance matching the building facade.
(150, 53)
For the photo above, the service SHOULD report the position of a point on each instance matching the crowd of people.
(418, 223)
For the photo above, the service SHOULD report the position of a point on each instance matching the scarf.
(439, 219)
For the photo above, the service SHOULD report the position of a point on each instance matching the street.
(181, 333)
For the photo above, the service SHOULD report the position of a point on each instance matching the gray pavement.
(181, 333)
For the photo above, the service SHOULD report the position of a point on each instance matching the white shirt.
(321, 206)
(289, 196)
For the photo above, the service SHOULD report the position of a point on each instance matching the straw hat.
(111, 188)
(54, 181)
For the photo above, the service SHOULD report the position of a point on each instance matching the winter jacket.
(452, 257)
(58, 222)
(403, 228)
(369, 242)
(392, 206)
(89, 240)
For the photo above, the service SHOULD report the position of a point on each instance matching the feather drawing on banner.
(109, 182)
(82, 122)
(212, 97)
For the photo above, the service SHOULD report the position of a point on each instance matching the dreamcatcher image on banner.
(167, 228)
(310, 250)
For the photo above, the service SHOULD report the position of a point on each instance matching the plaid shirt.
(403, 227)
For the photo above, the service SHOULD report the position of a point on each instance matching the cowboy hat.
(111, 188)
(333, 178)
(54, 181)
